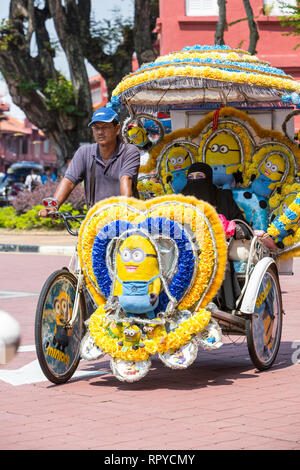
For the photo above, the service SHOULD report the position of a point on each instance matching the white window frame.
(96, 93)
(37, 148)
(46, 146)
(201, 8)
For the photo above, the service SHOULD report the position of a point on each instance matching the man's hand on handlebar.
(51, 205)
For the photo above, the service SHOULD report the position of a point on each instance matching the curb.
(44, 250)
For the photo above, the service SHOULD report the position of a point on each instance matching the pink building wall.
(176, 30)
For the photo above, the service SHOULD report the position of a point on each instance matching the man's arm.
(74, 175)
(126, 186)
(62, 192)
(129, 172)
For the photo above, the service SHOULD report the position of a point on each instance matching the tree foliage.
(292, 20)
(58, 105)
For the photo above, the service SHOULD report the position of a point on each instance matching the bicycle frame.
(79, 275)
(67, 217)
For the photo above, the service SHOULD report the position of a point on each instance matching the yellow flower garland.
(208, 278)
(173, 340)
(232, 56)
(209, 72)
(151, 186)
(194, 132)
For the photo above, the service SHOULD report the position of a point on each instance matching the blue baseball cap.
(104, 115)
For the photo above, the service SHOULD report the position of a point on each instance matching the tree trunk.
(222, 23)
(30, 78)
(27, 76)
(254, 36)
(143, 32)
(67, 25)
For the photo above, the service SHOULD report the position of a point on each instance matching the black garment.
(205, 190)
(223, 201)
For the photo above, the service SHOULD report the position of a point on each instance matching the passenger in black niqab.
(200, 185)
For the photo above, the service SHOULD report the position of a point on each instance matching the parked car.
(13, 182)
(9, 189)
(20, 170)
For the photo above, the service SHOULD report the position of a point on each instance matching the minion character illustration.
(223, 155)
(131, 338)
(63, 312)
(264, 307)
(178, 162)
(156, 332)
(293, 226)
(137, 286)
(269, 178)
(137, 135)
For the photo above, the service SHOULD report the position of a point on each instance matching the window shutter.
(202, 8)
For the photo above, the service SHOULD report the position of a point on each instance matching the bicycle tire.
(259, 328)
(58, 351)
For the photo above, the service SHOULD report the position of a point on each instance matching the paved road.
(220, 402)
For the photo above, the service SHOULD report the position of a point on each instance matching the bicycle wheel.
(263, 328)
(57, 346)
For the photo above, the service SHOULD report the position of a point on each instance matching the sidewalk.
(43, 242)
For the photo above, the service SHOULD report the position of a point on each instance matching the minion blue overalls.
(179, 180)
(135, 299)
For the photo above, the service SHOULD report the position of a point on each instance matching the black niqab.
(202, 188)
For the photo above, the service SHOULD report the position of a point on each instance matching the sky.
(101, 9)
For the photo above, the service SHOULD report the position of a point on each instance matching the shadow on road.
(229, 365)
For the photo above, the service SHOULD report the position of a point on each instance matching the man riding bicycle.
(108, 167)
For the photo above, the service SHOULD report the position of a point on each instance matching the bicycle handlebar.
(65, 216)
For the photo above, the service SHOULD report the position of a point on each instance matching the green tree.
(291, 20)
(59, 106)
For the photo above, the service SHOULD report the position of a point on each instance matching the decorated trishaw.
(154, 266)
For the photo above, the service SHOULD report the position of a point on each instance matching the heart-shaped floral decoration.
(194, 228)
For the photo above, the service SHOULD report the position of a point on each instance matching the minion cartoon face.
(136, 259)
(132, 334)
(137, 135)
(63, 308)
(149, 330)
(223, 149)
(178, 159)
(273, 168)
(223, 155)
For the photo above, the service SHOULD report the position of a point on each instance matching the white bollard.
(10, 335)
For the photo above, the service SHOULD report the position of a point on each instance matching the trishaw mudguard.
(254, 285)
